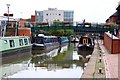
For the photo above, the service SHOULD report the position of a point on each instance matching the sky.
(90, 10)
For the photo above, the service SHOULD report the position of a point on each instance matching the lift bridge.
(76, 29)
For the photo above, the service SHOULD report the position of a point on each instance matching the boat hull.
(13, 53)
(85, 50)
(48, 47)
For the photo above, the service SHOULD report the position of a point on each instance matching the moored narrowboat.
(42, 42)
(14, 45)
(86, 45)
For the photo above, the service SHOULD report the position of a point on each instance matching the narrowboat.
(14, 45)
(42, 42)
(86, 45)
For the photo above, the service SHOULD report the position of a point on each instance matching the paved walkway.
(111, 62)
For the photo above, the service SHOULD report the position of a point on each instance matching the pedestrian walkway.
(111, 62)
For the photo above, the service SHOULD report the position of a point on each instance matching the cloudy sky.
(91, 10)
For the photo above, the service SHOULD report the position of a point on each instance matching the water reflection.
(63, 62)
(12, 65)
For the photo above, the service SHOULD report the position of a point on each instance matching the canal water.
(62, 62)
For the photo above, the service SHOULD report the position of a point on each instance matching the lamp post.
(8, 5)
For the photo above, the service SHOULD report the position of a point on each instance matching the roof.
(115, 14)
(4, 18)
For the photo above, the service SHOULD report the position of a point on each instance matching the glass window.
(5, 41)
(20, 42)
(12, 44)
(39, 40)
(26, 41)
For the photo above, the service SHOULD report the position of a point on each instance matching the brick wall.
(116, 46)
(32, 18)
(107, 42)
(24, 31)
(113, 45)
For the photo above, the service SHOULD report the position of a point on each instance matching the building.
(113, 18)
(113, 40)
(118, 19)
(33, 18)
(11, 23)
(53, 14)
(22, 23)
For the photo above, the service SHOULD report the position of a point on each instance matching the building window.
(59, 14)
(47, 14)
(25, 41)
(12, 44)
(20, 42)
(37, 14)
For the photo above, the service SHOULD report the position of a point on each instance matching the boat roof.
(11, 37)
(42, 35)
(50, 37)
(4, 18)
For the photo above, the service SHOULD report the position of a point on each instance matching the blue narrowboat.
(42, 42)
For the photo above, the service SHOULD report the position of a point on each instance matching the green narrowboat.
(14, 45)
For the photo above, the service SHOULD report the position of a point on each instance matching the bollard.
(100, 55)
(100, 60)
(100, 71)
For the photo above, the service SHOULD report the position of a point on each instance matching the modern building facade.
(53, 14)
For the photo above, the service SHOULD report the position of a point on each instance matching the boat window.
(47, 40)
(81, 40)
(29, 40)
(20, 42)
(5, 41)
(12, 44)
(39, 40)
(25, 41)
(89, 41)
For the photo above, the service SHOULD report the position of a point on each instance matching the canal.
(62, 62)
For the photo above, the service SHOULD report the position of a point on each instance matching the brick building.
(112, 41)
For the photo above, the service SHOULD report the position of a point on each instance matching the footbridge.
(76, 29)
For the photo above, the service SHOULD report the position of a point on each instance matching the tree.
(69, 32)
(57, 23)
(61, 32)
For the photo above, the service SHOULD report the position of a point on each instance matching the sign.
(6, 14)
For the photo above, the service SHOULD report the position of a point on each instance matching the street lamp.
(8, 5)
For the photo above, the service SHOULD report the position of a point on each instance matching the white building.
(53, 14)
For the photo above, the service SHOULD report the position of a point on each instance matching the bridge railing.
(79, 28)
